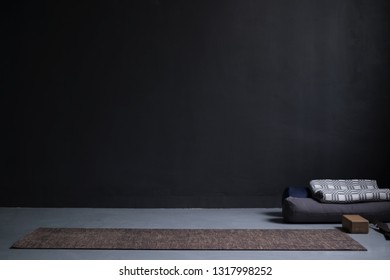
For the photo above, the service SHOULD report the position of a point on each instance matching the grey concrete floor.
(16, 222)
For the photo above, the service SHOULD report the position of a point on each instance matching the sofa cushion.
(347, 191)
(351, 196)
(296, 192)
(355, 184)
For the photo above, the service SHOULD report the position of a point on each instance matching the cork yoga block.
(355, 224)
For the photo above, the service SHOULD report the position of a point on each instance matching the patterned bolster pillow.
(352, 196)
(347, 191)
(356, 184)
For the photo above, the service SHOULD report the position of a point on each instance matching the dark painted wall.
(191, 103)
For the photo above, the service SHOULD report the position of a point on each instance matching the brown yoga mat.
(189, 239)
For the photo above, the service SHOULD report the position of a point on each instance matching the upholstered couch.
(299, 206)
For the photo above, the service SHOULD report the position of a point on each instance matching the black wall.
(191, 103)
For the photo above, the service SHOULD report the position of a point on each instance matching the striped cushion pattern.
(347, 191)
(355, 184)
(351, 195)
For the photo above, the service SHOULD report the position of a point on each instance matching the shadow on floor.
(276, 220)
(273, 214)
(275, 217)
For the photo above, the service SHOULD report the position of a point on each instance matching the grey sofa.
(299, 207)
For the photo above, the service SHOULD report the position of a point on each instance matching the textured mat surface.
(188, 239)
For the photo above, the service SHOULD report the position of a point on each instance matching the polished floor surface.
(16, 222)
